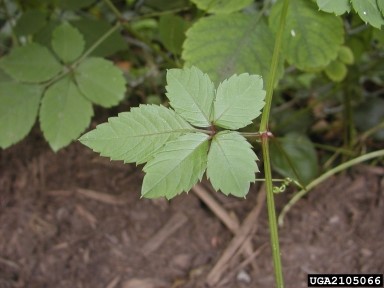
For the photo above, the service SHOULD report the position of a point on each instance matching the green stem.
(96, 44)
(325, 176)
(274, 235)
(251, 134)
(114, 9)
(273, 72)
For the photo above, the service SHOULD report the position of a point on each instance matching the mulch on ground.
(74, 219)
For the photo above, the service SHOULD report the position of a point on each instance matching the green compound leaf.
(223, 45)
(177, 167)
(100, 81)
(19, 105)
(369, 12)
(137, 135)
(30, 22)
(64, 113)
(338, 7)
(67, 42)
(311, 38)
(294, 156)
(172, 32)
(238, 101)
(191, 93)
(221, 7)
(231, 163)
(31, 63)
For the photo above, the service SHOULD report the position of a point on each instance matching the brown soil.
(74, 219)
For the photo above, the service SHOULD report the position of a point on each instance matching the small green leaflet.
(31, 63)
(19, 104)
(137, 135)
(292, 154)
(191, 93)
(64, 114)
(67, 42)
(177, 152)
(238, 101)
(231, 163)
(100, 81)
(177, 167)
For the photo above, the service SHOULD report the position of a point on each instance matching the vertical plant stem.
(274, 235)
(273, 229)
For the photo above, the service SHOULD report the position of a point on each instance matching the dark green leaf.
(294, 156)
(311, 38)
(223, 45)
(172, 32)
(30, 22)
(92, 30)
(370, 114)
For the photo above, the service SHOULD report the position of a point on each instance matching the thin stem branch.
(274, 235)
(67, 70)
(114, 9)
(96, 44)
(128, 28)
(325, 176)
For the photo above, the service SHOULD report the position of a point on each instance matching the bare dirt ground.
(74, 219)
